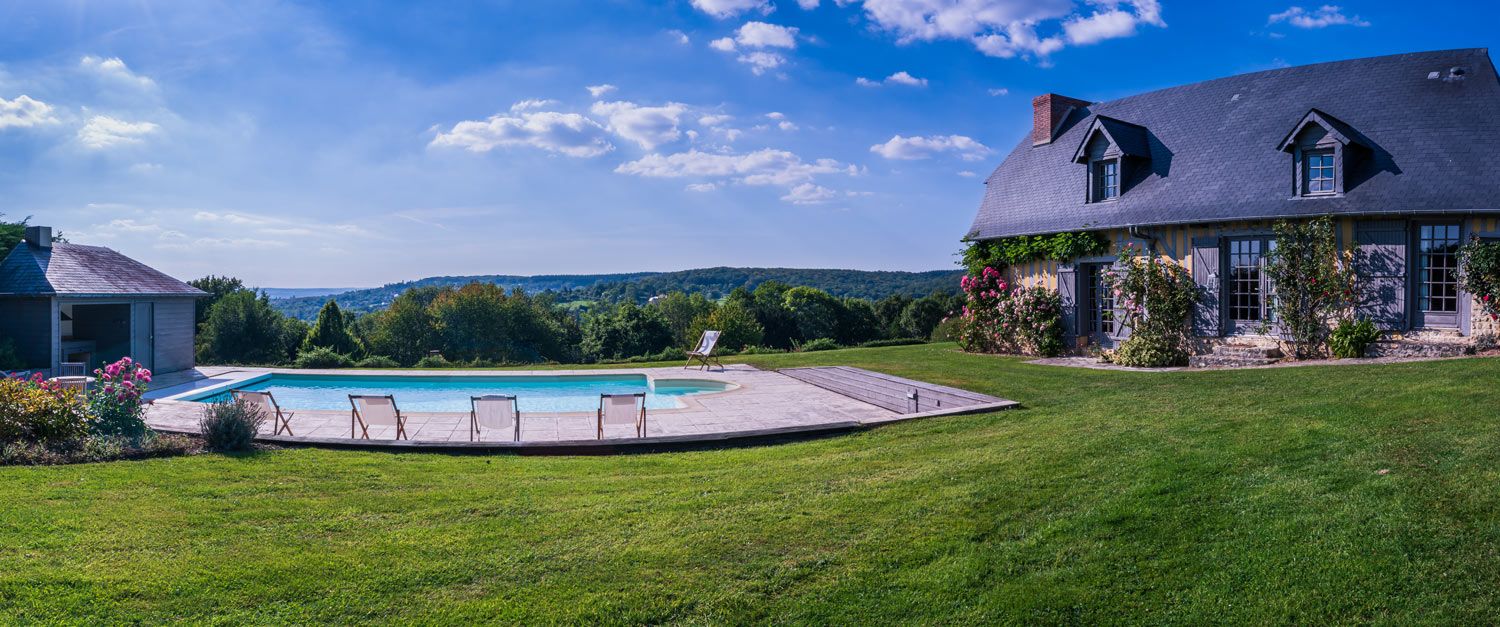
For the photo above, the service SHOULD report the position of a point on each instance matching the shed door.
(143, 334)
(1382, 270)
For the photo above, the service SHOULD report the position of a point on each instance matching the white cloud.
(599, 90)
(767, 167)
(713, 119)
(681, 37)
(809, 194)
(722, 44)
(113, 69)
(724, 9)
(1000, 91)
(533, 103)
(808, 5)
(24, 112)
(1008, 28)
(761, 61)
(968, 174)
(911, 148)
(570, 134)
(899, 78)
(103, 131)
(1322, 17)
(145, 168)
(647, 126)
(865, 82)
(702, 187)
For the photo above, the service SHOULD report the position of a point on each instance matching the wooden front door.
(1436, 281)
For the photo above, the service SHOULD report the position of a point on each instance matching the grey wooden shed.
(68, 302)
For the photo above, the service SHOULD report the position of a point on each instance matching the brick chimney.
(38, 236)
(1047, 112)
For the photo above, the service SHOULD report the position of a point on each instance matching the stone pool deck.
(764, 406)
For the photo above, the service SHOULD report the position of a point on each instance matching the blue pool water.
(534, 393)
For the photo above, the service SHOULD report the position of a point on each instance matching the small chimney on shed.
(1047, 113)
(39, 236)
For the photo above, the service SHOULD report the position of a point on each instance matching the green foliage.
(948, 330)
(406, 330)
(737, 327)
(1480, 274)
(889, 310)
(819, 344)
(768, 304)
(330, 332)
(37, 412)
(680, 310)
(230, 426)
(217, 287)
(857, 322)
(1156, 298)
(11, 233)
(94, 449)
(322, 357)
(1350, 338)
(814, 312)
(242, 328)
(904, 341)
(482, 321)
(922, 315)
(377, 361)
(762, 350)
(435, 361)
(1002, 253)
(1315, 285)
(625, 331)
(998, 319)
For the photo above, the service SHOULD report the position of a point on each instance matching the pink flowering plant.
(997, 318)
(1479, 274)
(1155, 299)
(115, 398)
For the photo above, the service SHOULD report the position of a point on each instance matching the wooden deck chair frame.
(280, 421)
(705, 356)
(640, 420)
(72, 369)
(355, 418)
(474, 413)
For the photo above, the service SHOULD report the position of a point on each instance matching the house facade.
(1402, 151)
(62, 302)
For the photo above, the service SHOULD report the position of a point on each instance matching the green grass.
(1306, 495)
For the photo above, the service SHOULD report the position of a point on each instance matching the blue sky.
(299, 144)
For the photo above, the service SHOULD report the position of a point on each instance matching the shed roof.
(1434, 146)
(77, 270)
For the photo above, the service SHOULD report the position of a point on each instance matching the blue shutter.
(1067, 288)
(1382, 272)
(1207, 321)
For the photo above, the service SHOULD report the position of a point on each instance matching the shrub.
(1313, 287)
(820, 344)
(1156, 298)
(434, 361)
(1480, 274)
(322, 357)
(626, 331)
(115, 399)
(377, 361)
(34, 411)
(243, 328)
(762, 350)
(230, 426)
(95, 448)
(814, 312)
(947, 330)
(1350, 338)
(900, 341)
(997, 319)
(735, 323)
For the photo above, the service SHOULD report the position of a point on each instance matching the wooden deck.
(904, 396)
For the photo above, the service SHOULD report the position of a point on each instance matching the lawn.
(1306, 495)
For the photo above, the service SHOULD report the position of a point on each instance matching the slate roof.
(1434, 148)
(77, 270)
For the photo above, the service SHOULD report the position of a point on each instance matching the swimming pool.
(447, 393)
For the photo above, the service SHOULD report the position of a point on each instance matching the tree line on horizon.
(483, 324)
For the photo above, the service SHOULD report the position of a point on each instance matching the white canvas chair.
(704, 353)
(623, 409)
(371, 410)
(267, 405)
(494, 411)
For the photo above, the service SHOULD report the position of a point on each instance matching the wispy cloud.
(1321, 17)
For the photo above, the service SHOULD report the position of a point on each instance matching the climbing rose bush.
(1155, 298)
(1480, 274)
(115, 398)
(999, 319)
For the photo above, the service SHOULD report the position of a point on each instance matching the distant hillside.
(297, 292)
(639, 286)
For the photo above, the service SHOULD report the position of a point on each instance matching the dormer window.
(1112, 149)
(1106, 180)
(1321, 148)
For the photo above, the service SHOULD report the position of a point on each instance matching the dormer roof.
(1336, 129)
(1129, 139)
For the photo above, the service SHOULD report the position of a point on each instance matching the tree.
(481, 322)
(922, 315)
(680, 311)
(329, 331)
(767, 303)
(627, 331)
(11, 233)
(243, 328)
(217, 287)
(888, 310)
(858, 321)
(814, 311)
(406, 330)
(736, 326)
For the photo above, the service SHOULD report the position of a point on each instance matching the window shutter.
(1382, 270)
(1067, 288)
(1207, 321)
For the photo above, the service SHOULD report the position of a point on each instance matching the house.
(1403, 151)
(67, 302)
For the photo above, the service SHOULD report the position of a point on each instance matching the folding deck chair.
(268, 407)
(704, 354)
(623, 409)
(494, 411)
(370, 410)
